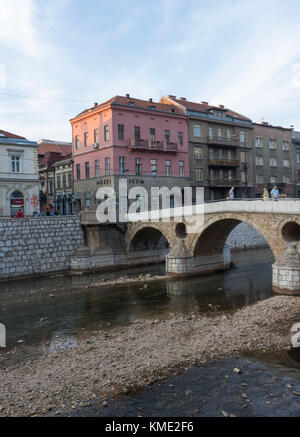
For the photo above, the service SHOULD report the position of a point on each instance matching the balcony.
(223, 182)
(223, 162)
(156, 146)
(223, 141)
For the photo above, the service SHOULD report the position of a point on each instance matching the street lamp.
(245, 169)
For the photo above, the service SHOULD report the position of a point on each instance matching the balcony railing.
(223, 141)
(223, 182)
(157, 146)
(228, 162)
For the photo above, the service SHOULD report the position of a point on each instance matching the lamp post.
(245, 170)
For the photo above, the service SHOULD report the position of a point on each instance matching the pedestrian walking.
(231, 194)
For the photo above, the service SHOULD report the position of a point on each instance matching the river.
(46, 314)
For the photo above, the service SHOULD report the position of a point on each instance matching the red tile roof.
(64, 150)
(136, 103)
(204, 107)
(10, 135)
(50, 158)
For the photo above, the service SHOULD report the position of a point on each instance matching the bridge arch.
(218, 228)
(146, 238)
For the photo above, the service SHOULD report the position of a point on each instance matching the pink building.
(143, 141)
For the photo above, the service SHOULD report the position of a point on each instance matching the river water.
(46, 314)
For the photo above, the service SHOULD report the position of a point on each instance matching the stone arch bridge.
(195, 244)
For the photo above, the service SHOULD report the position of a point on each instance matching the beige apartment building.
(220, 148)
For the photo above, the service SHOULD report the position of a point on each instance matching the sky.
(59, 57)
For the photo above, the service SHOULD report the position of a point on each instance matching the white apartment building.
(19, 180)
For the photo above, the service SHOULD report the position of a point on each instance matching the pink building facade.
(142, 141)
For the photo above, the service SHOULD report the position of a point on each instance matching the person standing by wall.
(275, 193)
(231, 194)
(265, 195)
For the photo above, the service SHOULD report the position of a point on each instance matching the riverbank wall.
(34, 246)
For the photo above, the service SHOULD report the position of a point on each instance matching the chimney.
(150, 100)
(183, 99)
(204, 103)
(221, 106)
(95, 104)
(171, 97)
(127, 95)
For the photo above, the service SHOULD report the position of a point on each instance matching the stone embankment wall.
(33, 246)
(244, 236)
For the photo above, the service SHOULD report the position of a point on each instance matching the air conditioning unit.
(96, 146)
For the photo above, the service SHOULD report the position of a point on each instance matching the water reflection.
(37, 311)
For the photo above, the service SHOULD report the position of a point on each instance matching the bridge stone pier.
(196, 243)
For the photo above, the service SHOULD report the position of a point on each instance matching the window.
(210, 132)
(168, 168)
(86, 139)
(197, 130)
(273, 179)
(167, 136)
(121, 132)
(77, 142)
(242, 136)
(87, 170)
(298, 158)
(97, 168)
(219, 132)
(107, 166)
(58, 182)
(259, 161)
(259, 179)
(88, 200)
(138, 166)
(122, 165)
(153, 164)
(106, 133)
(285, 146)
(152, 135)
(15, 164)
(198, 152)
(286, 163)
(69, 180)
(50, 187)
(198, 174)
(258, 142)
(273, 162)
(78, 172)
(137, 135)
(64, 181)
(181, 168)
(96, 136)
(286, 180)
(272, 144)
(180, 138)
(228, 134)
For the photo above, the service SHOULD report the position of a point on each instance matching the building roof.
(50, 158)
(135, 103)
(64, 159)
(203, 107)
(63, 150)
(4, 134)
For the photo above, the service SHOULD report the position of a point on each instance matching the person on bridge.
(231, 194)
(275, 193)
(265, 195)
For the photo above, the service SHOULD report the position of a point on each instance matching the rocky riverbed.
(134, 356)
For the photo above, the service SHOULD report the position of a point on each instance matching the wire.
(46, 98)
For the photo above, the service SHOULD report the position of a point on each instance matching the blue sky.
(64, 55)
